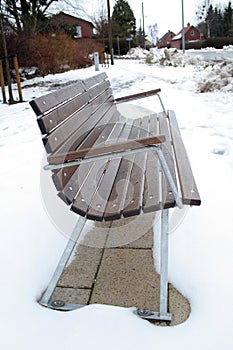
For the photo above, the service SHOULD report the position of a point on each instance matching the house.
(165, 41)
(76, 27)
(191, 33)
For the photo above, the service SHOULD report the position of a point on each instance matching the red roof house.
(191, 33)
(165, 41)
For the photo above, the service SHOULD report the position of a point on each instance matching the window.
(78, 32)
(192, 33)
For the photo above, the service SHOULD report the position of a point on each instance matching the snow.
(201, 240)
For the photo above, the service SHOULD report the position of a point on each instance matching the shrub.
(53, 52)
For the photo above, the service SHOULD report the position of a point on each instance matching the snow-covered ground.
(200, 259)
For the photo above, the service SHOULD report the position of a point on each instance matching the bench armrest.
(138, 95)
(106, 149)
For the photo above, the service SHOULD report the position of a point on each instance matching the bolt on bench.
(106, 167)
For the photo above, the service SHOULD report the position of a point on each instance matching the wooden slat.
(133, 199)
(115, 203)
(106, 149)
(44, 103)
(55, 117)
(138, 95)
(108, 121)
(84, 117)
(168, 200)
(92, 81)
(151, 193)
(85, 196)
(188, 186)
(99, 201)
(77, 178)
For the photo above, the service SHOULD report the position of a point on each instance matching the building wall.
(176, 44)
(191, 34)
(62, 19)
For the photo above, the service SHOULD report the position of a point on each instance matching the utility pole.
(143, 27)
(183, 33)
(11, 99)
(110, 33)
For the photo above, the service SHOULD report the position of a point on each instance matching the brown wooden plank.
(90, 187)
(190, 194)
(106, 149)
(55, 139)
(99, 201)
(83, 117)
(55, 117)
(44, 103)
(168, 200)
(116, 199)
(151, 193)
(105, 125)
(133, 198)
(138, 95)
(78, 177)
(92, 81)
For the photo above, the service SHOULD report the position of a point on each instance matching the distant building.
(77, 27)
(165, 41)
(191, 33)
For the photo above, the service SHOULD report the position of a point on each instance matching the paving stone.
(72, 295)
(134, 232)
(82, 270)
(124, 270)
(126, 278)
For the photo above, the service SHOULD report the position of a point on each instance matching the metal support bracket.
(45, 300)
(163, 314)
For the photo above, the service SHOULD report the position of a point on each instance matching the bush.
(217, 43)
(53, 53)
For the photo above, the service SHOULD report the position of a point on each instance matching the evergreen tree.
(227, 20)
(216, 22)
(123, 20)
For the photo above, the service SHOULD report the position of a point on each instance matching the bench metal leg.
(164, 265)
(163, 314)
(59, 304)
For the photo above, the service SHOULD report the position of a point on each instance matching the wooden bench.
(106, 167)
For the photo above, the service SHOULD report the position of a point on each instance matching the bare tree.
(24, 16)
(153, 33)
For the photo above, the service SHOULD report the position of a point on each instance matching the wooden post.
(8, 77)
(2, 83)
(16, 66)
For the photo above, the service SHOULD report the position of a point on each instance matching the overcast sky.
(166, 13)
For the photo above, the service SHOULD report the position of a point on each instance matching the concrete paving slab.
(122, 273)
(72, 295)
(132, 232)
(126, 278)
(82, 271)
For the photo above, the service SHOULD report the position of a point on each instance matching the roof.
(165, 35)
(74, 17)
(186, 29)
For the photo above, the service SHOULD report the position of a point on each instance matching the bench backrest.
(67, 116)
